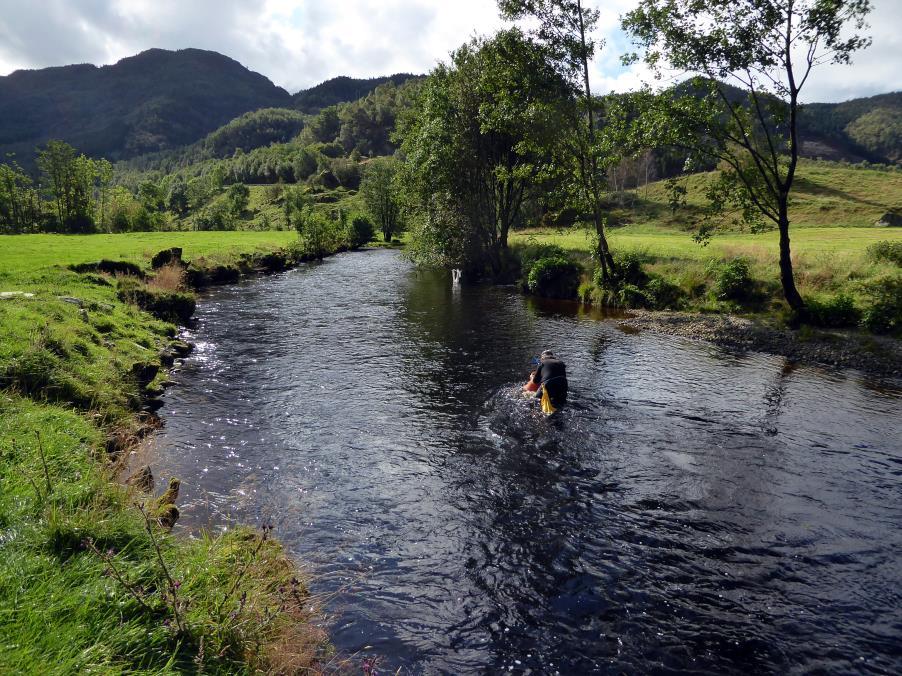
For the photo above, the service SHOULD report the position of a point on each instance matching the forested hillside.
(860, 129)
(342, 89)
(156, 100)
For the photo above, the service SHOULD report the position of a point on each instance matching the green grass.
(825, 194)
(20, 253)
(67, 392)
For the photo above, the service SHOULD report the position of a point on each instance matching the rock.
(165, 257)
(891, 219)
(153, 404)
(15, 294)
(145, 372)
(171, 494)
(182, 348)
(72, 300)
(167, 515)
(141, 480)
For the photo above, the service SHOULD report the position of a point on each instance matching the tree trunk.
(786, 277)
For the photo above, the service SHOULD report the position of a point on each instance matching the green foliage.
(237, 196)
(481, 138)
(733, 280)
(253, 130)
(361, 231)
(886, 251)
(341, 89)
(380, 194)
(554, 277)
(835, 312)
(884, 314)
(879, 131)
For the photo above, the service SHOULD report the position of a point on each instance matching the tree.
(55, 161)
(380, 195)
(238, 196)
(565, 27)
(768, 48)
(20, 205)
(179, 199)
(104, 172)
(482, 136)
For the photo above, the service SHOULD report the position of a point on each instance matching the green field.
(825, 194)
(29, 252)
(843, 242)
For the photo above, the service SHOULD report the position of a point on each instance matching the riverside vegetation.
(90, 578)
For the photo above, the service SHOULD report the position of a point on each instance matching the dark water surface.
(691, 511)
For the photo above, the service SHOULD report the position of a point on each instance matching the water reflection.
(691, 510)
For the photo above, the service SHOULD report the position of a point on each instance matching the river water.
(691, 510)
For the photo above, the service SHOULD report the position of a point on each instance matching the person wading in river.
(551, 374)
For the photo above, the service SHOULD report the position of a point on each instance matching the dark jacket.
(551, 375)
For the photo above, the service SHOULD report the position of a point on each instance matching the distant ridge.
(342, 89)
(156, 100)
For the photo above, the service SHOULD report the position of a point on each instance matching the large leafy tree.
(380, 195)
(481, 137)
(565, 29)
(766, 48)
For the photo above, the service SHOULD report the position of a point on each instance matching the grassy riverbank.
(841, 260)
(87, 583)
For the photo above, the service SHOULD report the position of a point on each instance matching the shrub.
(629, 267)
(631, 296)
(533, 251)
(733, 280)
(554, 277)
(835, 313)
(884, 315)
(664, 295)
(886, 252)
(361, 231)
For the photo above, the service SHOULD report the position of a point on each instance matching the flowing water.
(691, 510)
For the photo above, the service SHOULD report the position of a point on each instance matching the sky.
(298, 43)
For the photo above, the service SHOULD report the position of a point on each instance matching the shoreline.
(879, 356)
(77, 399)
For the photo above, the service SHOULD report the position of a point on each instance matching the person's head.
(532, 373)
(547, 354)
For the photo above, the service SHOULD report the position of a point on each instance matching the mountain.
(860, 129)
(156, 100)
(341, 90)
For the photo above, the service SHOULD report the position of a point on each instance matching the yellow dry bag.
(547, 408)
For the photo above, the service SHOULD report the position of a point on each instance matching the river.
(691, 510)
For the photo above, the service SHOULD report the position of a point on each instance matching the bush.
(361, 231)
(835, 313)
(664, 295)
(554, 277)
(885, 313)
(533, 251)
(886, 252)
(629, 267)
(733, 280)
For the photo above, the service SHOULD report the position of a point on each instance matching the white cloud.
(297, 43)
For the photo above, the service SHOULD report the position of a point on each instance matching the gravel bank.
(875, 355)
